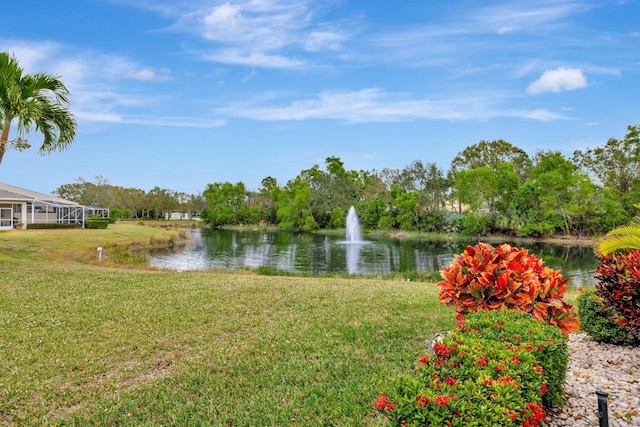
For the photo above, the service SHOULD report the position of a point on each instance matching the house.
(177, 216)
(21, 207)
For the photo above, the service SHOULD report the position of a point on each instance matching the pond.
(318, 253)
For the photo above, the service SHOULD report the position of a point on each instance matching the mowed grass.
(85, 344)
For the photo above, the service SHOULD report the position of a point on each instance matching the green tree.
(90, 193)
(484, 168)
(293, 205)
(428, 180)
(558, 197)
(35, 101)
(407, 204)
(335, 187)
(476, 188)
(491, 154)
(338, 218)
(617, 163)
(373, 211)
(225, 203)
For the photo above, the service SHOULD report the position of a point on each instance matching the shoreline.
(403, 234)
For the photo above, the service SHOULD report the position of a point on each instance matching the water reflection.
(313, 253)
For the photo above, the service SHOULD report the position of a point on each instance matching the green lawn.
(86, 343)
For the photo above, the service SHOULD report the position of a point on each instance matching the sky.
(183, 93)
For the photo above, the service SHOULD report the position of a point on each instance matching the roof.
(11, 192)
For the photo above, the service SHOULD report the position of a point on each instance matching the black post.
(603, 410)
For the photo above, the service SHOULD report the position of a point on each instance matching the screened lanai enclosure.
(20, 207)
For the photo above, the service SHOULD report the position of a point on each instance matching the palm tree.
(35, 101)
(626, 237)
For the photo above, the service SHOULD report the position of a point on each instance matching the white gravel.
(596, 366)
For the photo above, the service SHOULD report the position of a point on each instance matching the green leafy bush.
(499, 369)
(51, 226)
(484, 277)
(95, 223)
(547, 343)
(115, 213)
(596, 319)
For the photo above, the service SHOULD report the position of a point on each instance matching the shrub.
(484, 277)
(115, 213)
(50, 226)
(475, 224)
(596, 319)
(497, 370)
(96, 223)
(618, 283)
(547, 343)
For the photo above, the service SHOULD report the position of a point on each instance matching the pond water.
(317, 253)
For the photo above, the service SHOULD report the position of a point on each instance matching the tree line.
(491, 187)
(130, 203)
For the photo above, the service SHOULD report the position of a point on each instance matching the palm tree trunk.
(4, 138)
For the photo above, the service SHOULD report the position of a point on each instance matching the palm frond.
(626, 237)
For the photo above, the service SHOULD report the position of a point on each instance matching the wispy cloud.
(508, 17)
(254, 59)
(261, 33)
(558, 80)
(97, 83)
(376, 105)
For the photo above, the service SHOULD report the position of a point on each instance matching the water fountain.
(354, 233)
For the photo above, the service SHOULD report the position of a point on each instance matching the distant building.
(20, 207)
(177, 216)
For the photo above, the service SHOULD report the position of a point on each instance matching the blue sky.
(182, 93)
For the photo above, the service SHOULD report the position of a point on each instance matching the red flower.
(451, 381)
(439, 362)
(390, 407)
(499, 367)
(539, 369)
(515, 360)
(528, 347)
(537, 411)
(543, 388)
(381, 402)
(513, 415)
(622, 322)
(481, 362)
(424, 359)
(422, 401)
(442, 350)
(441, 400)
(488, 381)
(499, 324)
(508, 380)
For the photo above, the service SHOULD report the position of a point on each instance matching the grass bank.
(92, 344)
(118, 242)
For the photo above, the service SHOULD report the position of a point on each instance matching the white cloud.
(254, 59)
(262, 33)
(323, 39)
(558, 80)
(376, 105)
(94, 83)
(541, 115)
